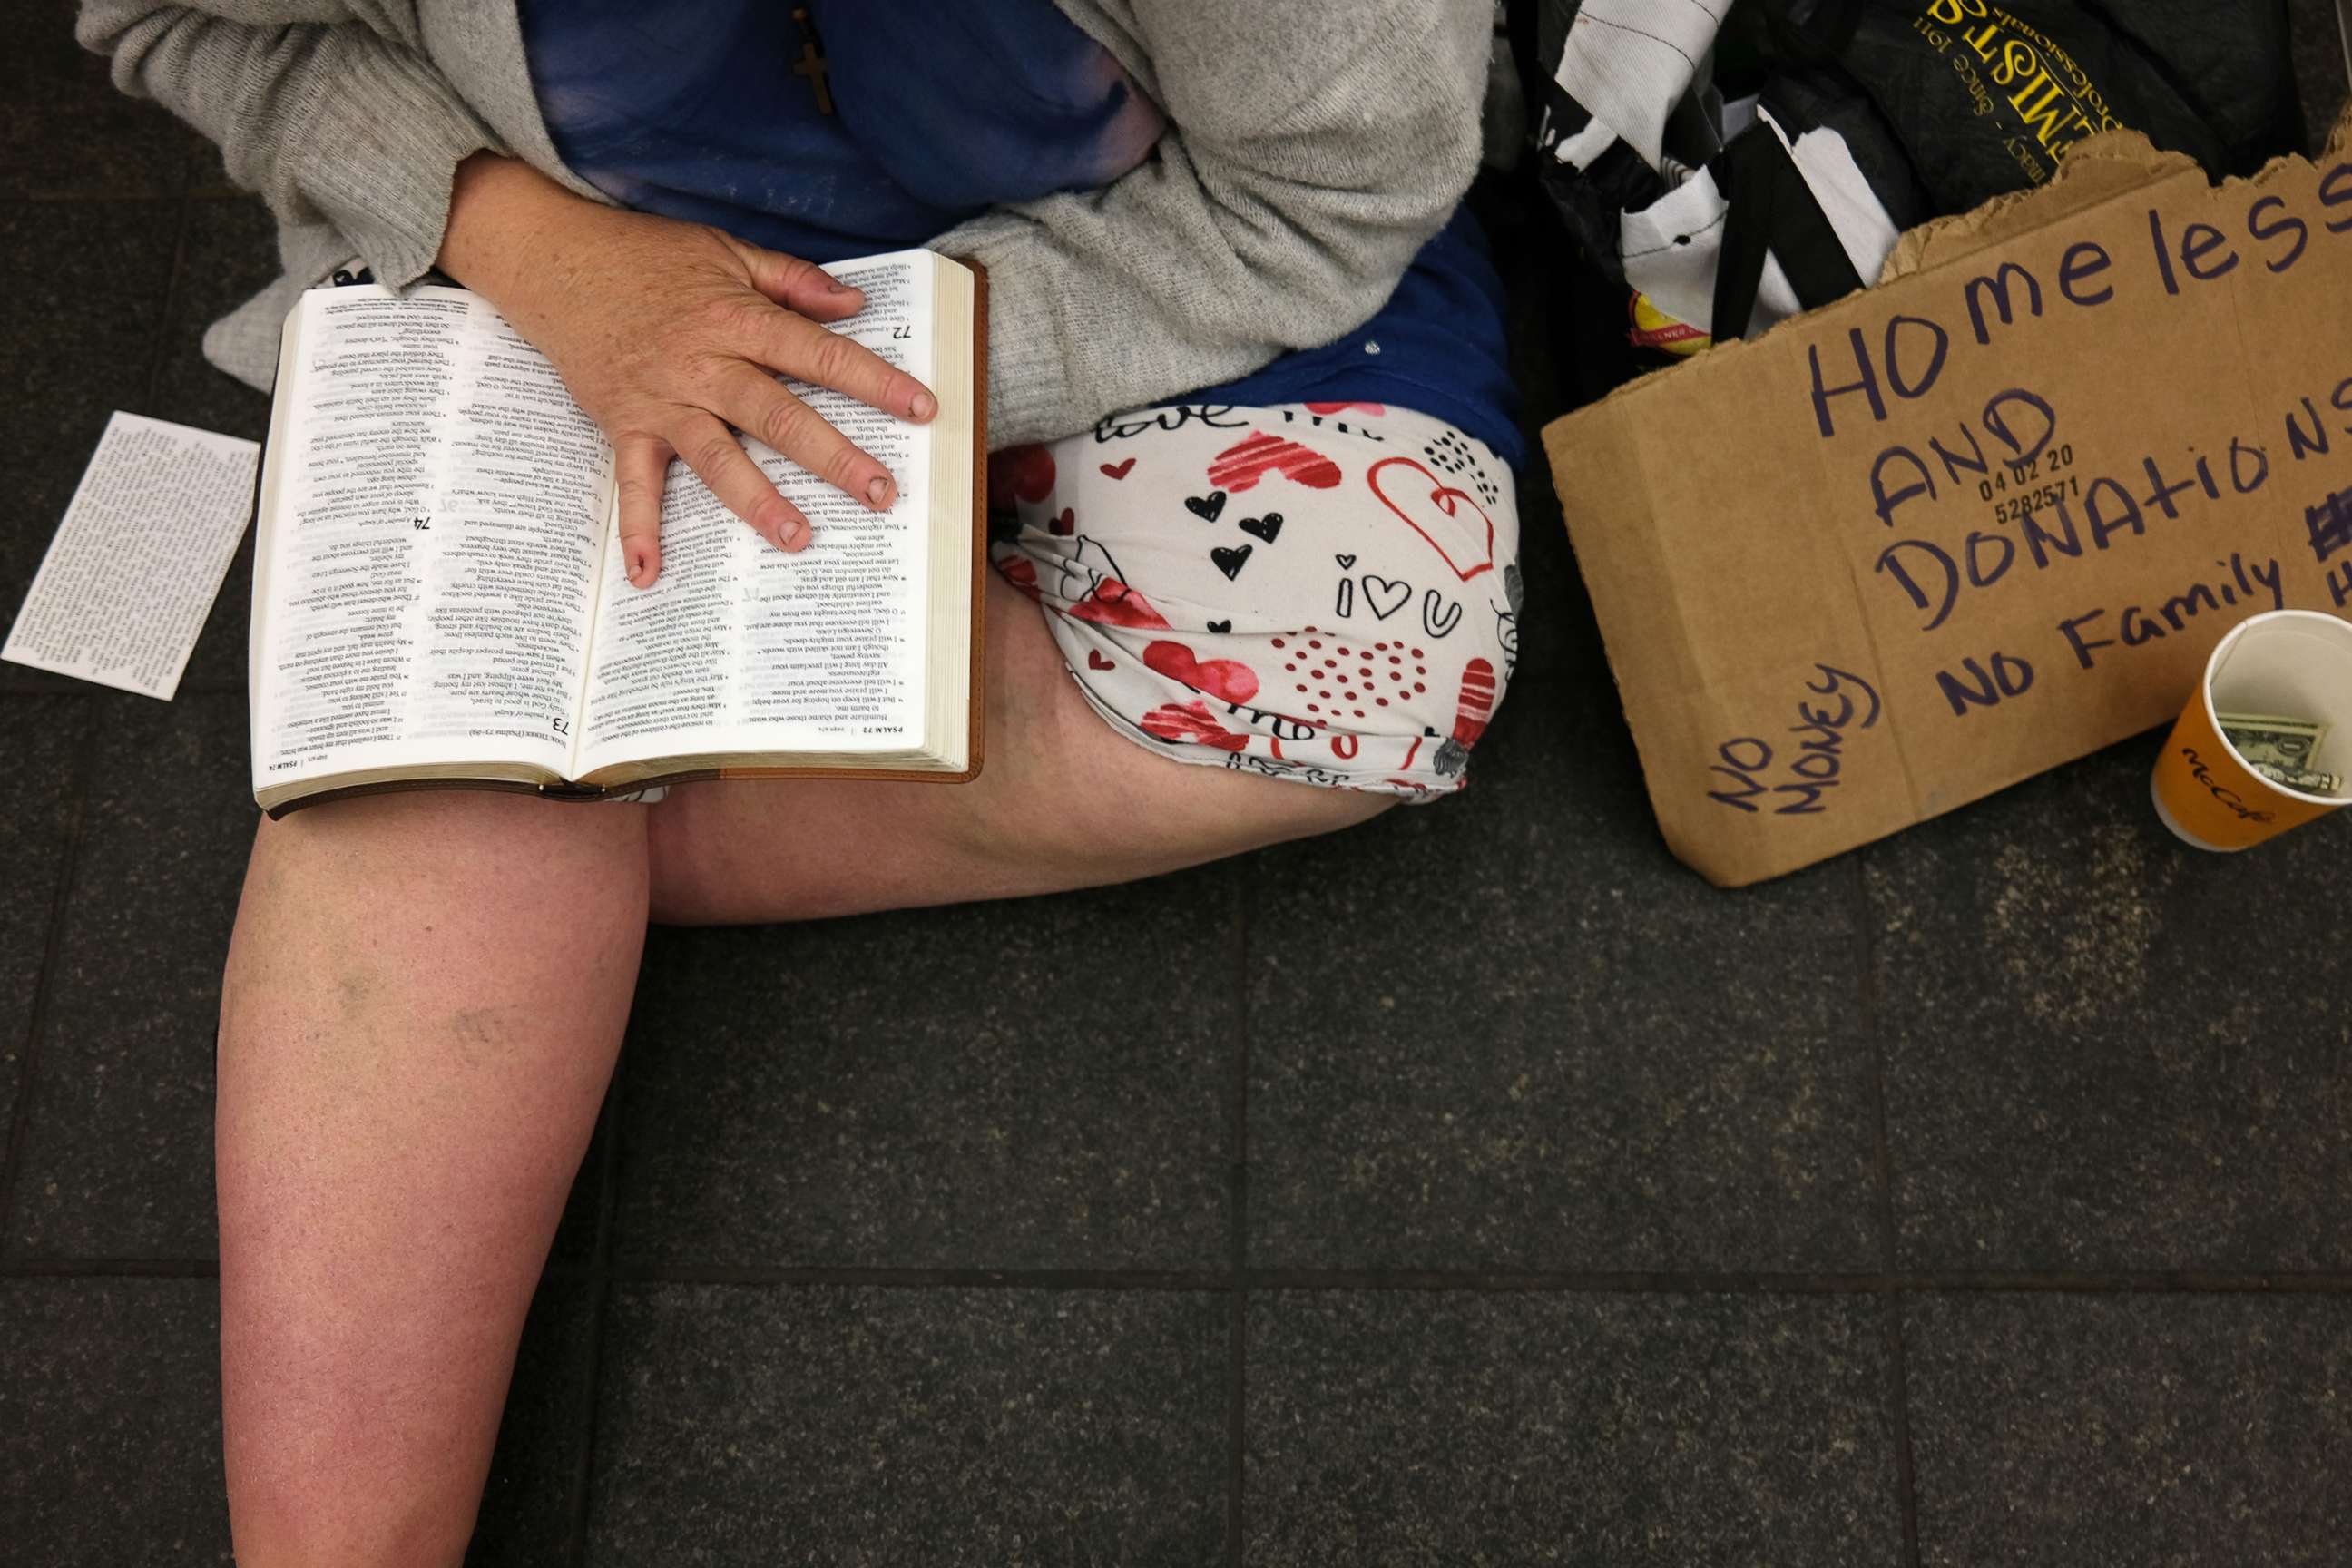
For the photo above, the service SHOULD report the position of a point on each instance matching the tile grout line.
(111, 1268)
(600, 1289)
(1237, 1305)
(1906, 1478)
(77, 784)
(93, 198)
(1221, 1281)
(1907, 1474)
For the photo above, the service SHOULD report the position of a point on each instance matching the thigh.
(1062, 801)
(337, 894)
(442, 973)
(1314, 607)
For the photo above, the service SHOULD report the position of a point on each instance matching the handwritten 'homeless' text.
(2049, 504)
(2061, 511)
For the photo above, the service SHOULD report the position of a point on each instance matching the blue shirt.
(716, 112)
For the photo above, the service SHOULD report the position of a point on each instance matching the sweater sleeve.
(1313, 149)
(329, 119)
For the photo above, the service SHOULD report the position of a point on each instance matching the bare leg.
(1061, 803)
(425, 997)
(424, 1000)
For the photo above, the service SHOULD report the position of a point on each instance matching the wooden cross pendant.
(812, 61)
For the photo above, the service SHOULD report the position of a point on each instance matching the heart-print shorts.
(1326, 593)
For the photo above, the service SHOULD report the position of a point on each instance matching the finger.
(798, 285)
(711, 450)
(752, 400)
(640, 467)
(801, 348)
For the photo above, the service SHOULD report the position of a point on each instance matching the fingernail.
(793, 535)
(877, 492)
(838, 286)
(925, 405)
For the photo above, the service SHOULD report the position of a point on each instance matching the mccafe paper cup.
(2292, 663)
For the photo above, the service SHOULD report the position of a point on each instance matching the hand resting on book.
(667, 333)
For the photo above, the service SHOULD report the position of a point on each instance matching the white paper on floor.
(138, 559)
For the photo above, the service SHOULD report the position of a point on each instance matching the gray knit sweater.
(1314, 145)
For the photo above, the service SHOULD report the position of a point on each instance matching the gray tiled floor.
(116, 1161)
(958, 1427)
(45, 738)
(1474, 1188)
(110, 1397)
(66, 131)
(2131, 1429)
(1567, 1056)
(1425, 1427)
(2082, 1072)
(958, 1088)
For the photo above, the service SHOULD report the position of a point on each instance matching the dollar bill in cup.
(2282, 748)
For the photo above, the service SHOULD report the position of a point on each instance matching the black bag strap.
(1773, 212)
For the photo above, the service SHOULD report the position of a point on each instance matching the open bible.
(439, 597)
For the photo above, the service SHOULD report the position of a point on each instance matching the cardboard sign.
(1911, 548)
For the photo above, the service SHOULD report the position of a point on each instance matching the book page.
(438, 506)
(737, 646)
(128, 581)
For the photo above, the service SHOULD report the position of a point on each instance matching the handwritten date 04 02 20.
(1839, 702)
